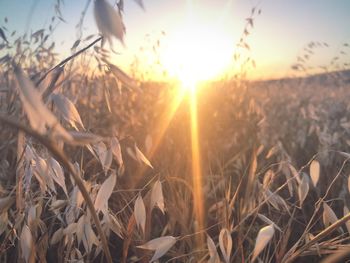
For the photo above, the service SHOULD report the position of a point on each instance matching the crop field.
(100, 165)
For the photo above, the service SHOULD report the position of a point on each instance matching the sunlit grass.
(163, 125)
(192, 171)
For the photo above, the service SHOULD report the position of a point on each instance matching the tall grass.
(274, 161)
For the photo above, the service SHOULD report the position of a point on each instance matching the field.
(96, 166)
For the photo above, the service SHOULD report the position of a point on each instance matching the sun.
(197, 52)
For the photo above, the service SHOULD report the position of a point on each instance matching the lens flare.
(198, 198)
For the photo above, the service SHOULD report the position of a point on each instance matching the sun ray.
(198, 199)
(168, 116)
(161, 129)
(196, 54)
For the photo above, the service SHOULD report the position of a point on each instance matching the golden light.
(198, 197)
(197, 52)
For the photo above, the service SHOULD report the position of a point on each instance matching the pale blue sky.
(281, 31)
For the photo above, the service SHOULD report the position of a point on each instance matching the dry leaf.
(157, 198)
(70, 229)
(213, 253)
(329, 217)
(290, 182)
(32, 215)
(80, 228)
(57, 174)
(2, 35)
(315, 172)
(295, 173)
(276, 200)
(114, 224)
(89, 237)
(107, 98)
(109, 21)
(105, 192)
(26, 240)
(72, 209)
(303, 188)
(264, 236)
(140, 213)
(269, 221)
(141, 157)
(161, 245)
(105, 155)
(76, 44)
(39, 116)
(116, 150)
(250, 21)
(57, 204)
(56, 237)
(68, 110)
(43, 176)
(225, 242)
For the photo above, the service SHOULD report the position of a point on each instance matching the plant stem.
(63, 62)
(317, 238)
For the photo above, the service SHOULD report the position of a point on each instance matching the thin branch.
(63, 62)
(52, 85)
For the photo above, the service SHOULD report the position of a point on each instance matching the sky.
(280, 33)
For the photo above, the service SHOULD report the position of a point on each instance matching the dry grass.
(257, 142)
